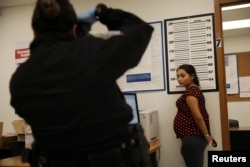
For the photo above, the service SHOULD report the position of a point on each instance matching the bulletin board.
(243, 59)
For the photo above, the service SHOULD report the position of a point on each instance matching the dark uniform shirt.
(67, 89)
(184, 123)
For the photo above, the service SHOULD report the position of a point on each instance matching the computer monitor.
(131, 100)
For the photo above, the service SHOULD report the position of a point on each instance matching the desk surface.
(154, 145)
(16, 161)
(244, 128)
(239, 138)
(13, 162)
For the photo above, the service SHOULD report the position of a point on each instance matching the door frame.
(218, 4)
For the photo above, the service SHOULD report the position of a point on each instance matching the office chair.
(233, 123)
(16, 147)
(5, 153)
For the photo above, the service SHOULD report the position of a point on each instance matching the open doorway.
(221, 71)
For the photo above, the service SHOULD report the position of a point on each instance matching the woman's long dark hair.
(53, 15)
(191, 71)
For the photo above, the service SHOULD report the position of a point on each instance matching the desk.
(7, 139)
(154, 146)
(16, 161)
(13, 162)
(240, 138)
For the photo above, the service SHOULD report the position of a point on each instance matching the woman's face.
(184, 79)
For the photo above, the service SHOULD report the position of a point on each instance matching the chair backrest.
(17, 147)
(233, 123)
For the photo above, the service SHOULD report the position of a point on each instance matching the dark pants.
(131, 152)
(192, 150)
(116, 157)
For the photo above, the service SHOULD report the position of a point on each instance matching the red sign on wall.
(22, 52)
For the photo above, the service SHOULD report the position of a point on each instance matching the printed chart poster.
(148, 75)
(191, 40)
(22, 52)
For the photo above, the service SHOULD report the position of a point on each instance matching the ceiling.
(228, 15)
(236, 14)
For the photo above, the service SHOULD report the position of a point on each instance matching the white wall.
(239, 110)
(15, 26)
